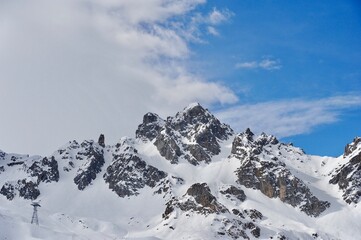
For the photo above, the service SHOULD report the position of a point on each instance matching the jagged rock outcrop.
(24, 188)
(93, 165)
(2, 155)
(234, 192)
(236, 229)
(87, 157)
(151, 126)
(199, 199)
(262, 169)
(128, 172)
(352, 147)
(28, 189)
(35, 170)
(45, 170)
(193, 134)
(238, 224)
(8, 190)
(348, 176)
(203, 196)
(101, 140)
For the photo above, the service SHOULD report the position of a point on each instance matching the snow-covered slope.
(184, 177)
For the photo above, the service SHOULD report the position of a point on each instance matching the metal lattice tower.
(35, 219)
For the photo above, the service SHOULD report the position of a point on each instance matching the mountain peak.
(351, 147)
(193, 105)
(150, 127)
(193, 114)
(193, 132)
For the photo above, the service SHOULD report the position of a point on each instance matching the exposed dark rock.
(350, 148)
(315, 235)
(201, 129)
(15, 163)
(253, 214)
(281, 237)
(128, 173)
(101, 140)
(198, 199)
(87, 157)
(168, 148)
(151, 126)
(8, 190)
(237, 213)
(197, 123)
(168, 210)
(348, 176)
(256, 232)
(236, 229)
(72, 153)
(2, 155)
(203, 196)
(40, 170)
(28, 190)
(198, 154)
(234, 191)
(45, 170)
(165, 186)
(262, 170)
(94, 162)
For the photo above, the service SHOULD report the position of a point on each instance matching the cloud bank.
(78, 68)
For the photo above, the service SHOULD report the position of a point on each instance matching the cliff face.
(262, 167)
(348, 176)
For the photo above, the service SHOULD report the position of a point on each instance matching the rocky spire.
(101, 140)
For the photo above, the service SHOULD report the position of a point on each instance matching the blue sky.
(73, 69)
(315, 46)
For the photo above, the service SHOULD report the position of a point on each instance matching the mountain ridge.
(190, 169)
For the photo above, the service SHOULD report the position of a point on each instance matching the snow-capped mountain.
(185, 177)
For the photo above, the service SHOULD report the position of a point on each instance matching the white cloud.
(270, 64)
(78, 68)
(213, 31)
(289, 117)
(266, 64)
(216, 16)
(249, 65)
(205, 23)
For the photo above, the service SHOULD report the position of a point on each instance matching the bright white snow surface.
(98, 213)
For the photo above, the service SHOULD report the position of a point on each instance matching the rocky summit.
(187, 176)
(192, 134)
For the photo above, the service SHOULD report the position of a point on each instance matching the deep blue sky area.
(316, 45)
(329, 140)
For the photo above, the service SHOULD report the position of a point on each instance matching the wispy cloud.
(266, 64)
(213, 31)
(206, 23)
(219, 16)
(289, 117)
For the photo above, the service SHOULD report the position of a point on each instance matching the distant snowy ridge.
(184, 177)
